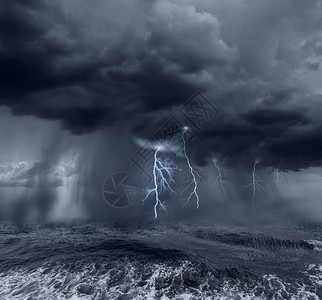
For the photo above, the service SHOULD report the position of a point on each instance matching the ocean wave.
(106, 262)
(130, 280)
(254, 241)
(316, 244)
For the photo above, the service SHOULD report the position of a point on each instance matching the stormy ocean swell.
(159, 261)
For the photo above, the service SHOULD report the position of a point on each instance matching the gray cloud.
(89, 65)
(38, 174)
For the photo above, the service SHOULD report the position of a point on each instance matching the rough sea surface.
(160, 261)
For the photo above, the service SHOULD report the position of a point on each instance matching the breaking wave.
(105, 262)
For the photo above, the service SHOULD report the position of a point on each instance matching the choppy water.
(160, 261)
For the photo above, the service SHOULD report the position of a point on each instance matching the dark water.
(161, 261)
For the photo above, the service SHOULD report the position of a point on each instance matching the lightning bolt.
(219, 177)
(279, 176)
(192, 172)
(163, 171)
(256, 182)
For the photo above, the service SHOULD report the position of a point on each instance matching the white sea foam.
(154, 281)
(317, 244)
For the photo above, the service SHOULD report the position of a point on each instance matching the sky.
(82, 81)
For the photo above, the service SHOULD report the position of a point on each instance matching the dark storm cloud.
(284, 139)
(89, 65)
(55, 67)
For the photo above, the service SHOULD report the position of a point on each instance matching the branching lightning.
(193, 181)
(256, 182)
(163, 171)
(279, 176)
(219, 178)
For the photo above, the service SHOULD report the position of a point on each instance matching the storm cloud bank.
(91, 64)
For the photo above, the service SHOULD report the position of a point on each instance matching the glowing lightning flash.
(256, 182)
(192, 172)
(219, 177)
(163, 171)
(279, 177)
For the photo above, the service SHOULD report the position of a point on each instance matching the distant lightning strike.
(278, 176)
(219, 177)
(192, 172)
(162, 178)
(256, 182)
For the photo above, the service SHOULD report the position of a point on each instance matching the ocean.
(161, 260)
